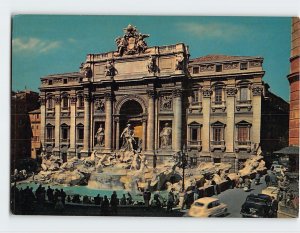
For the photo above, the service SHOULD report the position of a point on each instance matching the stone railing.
(242, 145)
(243, 104)
(217, 145)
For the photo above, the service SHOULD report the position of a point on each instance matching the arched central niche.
(131, 108)
(131, 112)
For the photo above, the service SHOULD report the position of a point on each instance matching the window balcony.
(195, 144)
(217, 145)
(64, 141)
(243, 104)
(50, 109)
(218, 105)
(242, 145)
(80, 108)
(195, 107)
(79, 141)
(49, 140)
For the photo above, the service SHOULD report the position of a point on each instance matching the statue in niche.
(127, 138)
(151, 66)
(179, 62)
(100, 105)
(100, 135)
(166, 137)
(110, 69)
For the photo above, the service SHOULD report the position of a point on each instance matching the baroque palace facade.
(155, 99)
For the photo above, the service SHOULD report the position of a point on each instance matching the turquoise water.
(84, 190)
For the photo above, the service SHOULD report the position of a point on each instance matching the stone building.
(293, 78)
(157, 100)
(35, 123)
(22, 102)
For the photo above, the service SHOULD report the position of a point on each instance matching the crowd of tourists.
(27, 199)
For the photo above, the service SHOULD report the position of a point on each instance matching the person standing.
(267, 180)
(147, 197)
(105, 206)
(170, 202)
(114, 203)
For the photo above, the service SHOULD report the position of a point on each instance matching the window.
(37, 116)
(50, 103)
(80, 132)
(218, 95)
(65, 102)
(194, 134)
(244, 93)
(243, 132)
(217, 134)
(80, 101)
(195, 97)
(50, 132)
(64, 133)
(49, 82)
(65, 81)
(244, 66)
(196, 70)
(218, 68)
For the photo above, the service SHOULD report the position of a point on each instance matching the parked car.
(278, 168)
(271, 191)
(207, 207)
(257, 206)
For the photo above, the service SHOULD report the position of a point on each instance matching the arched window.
(64, 132)
(49, 132)
(80, 133)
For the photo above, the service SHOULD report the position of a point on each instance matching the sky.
(51, 44)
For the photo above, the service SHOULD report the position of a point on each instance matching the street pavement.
(235, 198)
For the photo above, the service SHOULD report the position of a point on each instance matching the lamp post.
(183, 163)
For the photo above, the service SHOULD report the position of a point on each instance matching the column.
(86, 142)
(177, 124)
(108, 122)
(144, 125)
(151, 120)
(206, 93)
(230, 127)
(117, 120)
(43, 121)
(71, 150)
(56, 149)
(256, 121)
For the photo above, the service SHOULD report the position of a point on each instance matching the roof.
(290, 150)
(35, 111)
(206, 200)
(220, 58)
(62, 75)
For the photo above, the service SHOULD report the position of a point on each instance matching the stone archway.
(131, 112)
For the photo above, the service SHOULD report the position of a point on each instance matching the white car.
(271, 191)
(207, 207)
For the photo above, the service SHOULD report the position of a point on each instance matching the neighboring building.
(35, 122)
(275, 123)
(22, 102)
(211, 104)
(293, 78)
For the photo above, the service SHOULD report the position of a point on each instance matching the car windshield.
(256, 200)
(199, 204)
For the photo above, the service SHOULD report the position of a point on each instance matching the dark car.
(257, 206)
